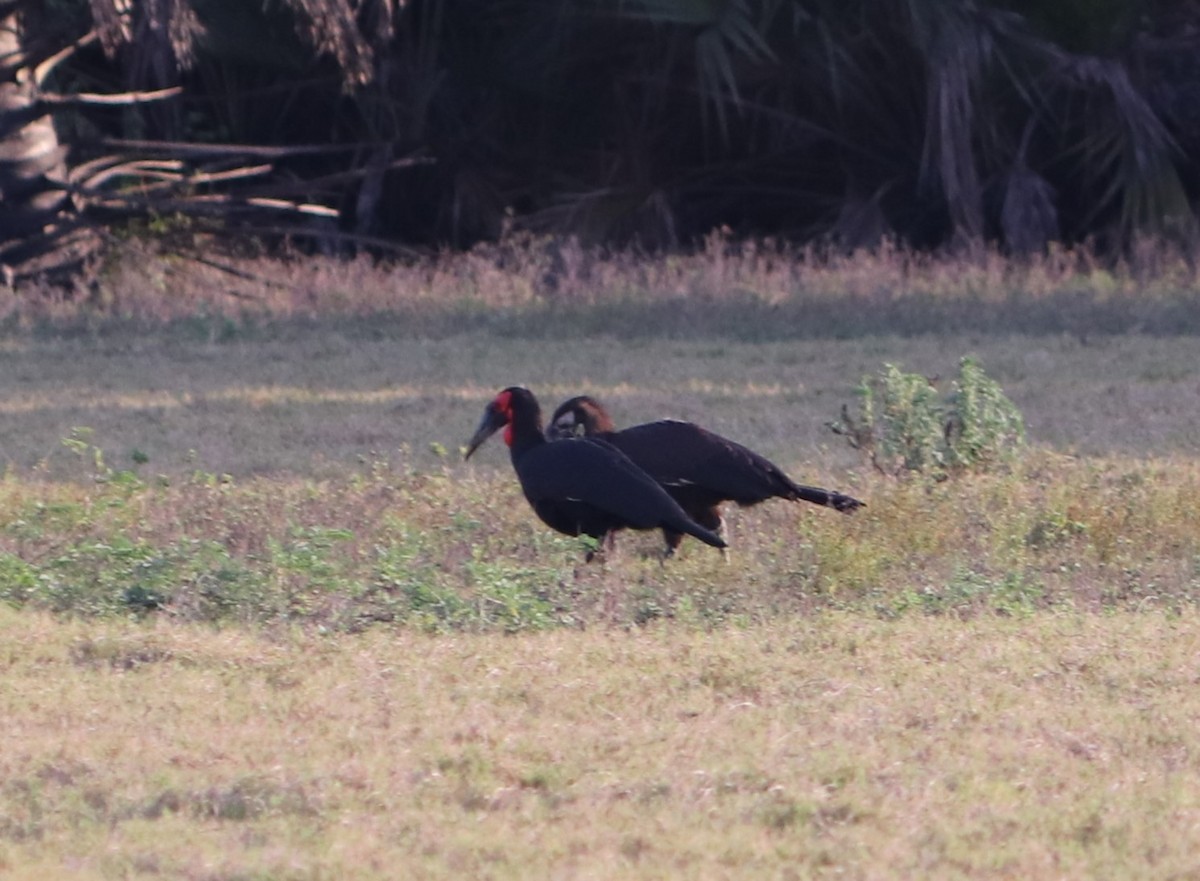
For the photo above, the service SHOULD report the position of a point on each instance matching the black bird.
(699, 468)
(581, 485)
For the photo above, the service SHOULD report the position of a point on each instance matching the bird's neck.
(523, 434)
(598, 423)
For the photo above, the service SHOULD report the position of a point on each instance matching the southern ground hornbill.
(700, 469)
(580, 486)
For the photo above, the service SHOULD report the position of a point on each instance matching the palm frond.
(1126, 150)
(727, 36)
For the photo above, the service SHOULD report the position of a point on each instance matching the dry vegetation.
(262, 605)
(1061, 746)
(547, 288)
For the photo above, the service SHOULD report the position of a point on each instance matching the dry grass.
(1061, 746)
(291, 473)
(987, 677)
(315, 403)
(313, 361)
(544, 288)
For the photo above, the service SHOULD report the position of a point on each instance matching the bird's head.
(512, 403)
(579, 416)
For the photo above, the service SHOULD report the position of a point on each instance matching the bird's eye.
(568, 426)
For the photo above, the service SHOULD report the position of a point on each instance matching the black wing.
(594, 472)
(684, 454)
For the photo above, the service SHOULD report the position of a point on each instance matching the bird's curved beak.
(493, 420)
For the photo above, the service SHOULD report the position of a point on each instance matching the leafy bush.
(904, 425)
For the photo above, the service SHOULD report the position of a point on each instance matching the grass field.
(261, 621)
(1056, 746)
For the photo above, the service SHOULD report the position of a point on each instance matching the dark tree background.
(444, 122)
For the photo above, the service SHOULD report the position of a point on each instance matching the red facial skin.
(503, 405)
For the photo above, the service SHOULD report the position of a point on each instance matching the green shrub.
(983, 426)
(905, 426)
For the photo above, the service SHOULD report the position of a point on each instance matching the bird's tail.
(705, 535)
(827, 498)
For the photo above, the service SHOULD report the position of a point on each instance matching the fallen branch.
(186, 148)
(97, 99)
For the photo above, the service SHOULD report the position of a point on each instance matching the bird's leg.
(614, 591)
(605, 545)
(673, 540)
(595, 548)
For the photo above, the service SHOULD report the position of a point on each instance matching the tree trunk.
(32, 161)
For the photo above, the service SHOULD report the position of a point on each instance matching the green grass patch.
(458, 551)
